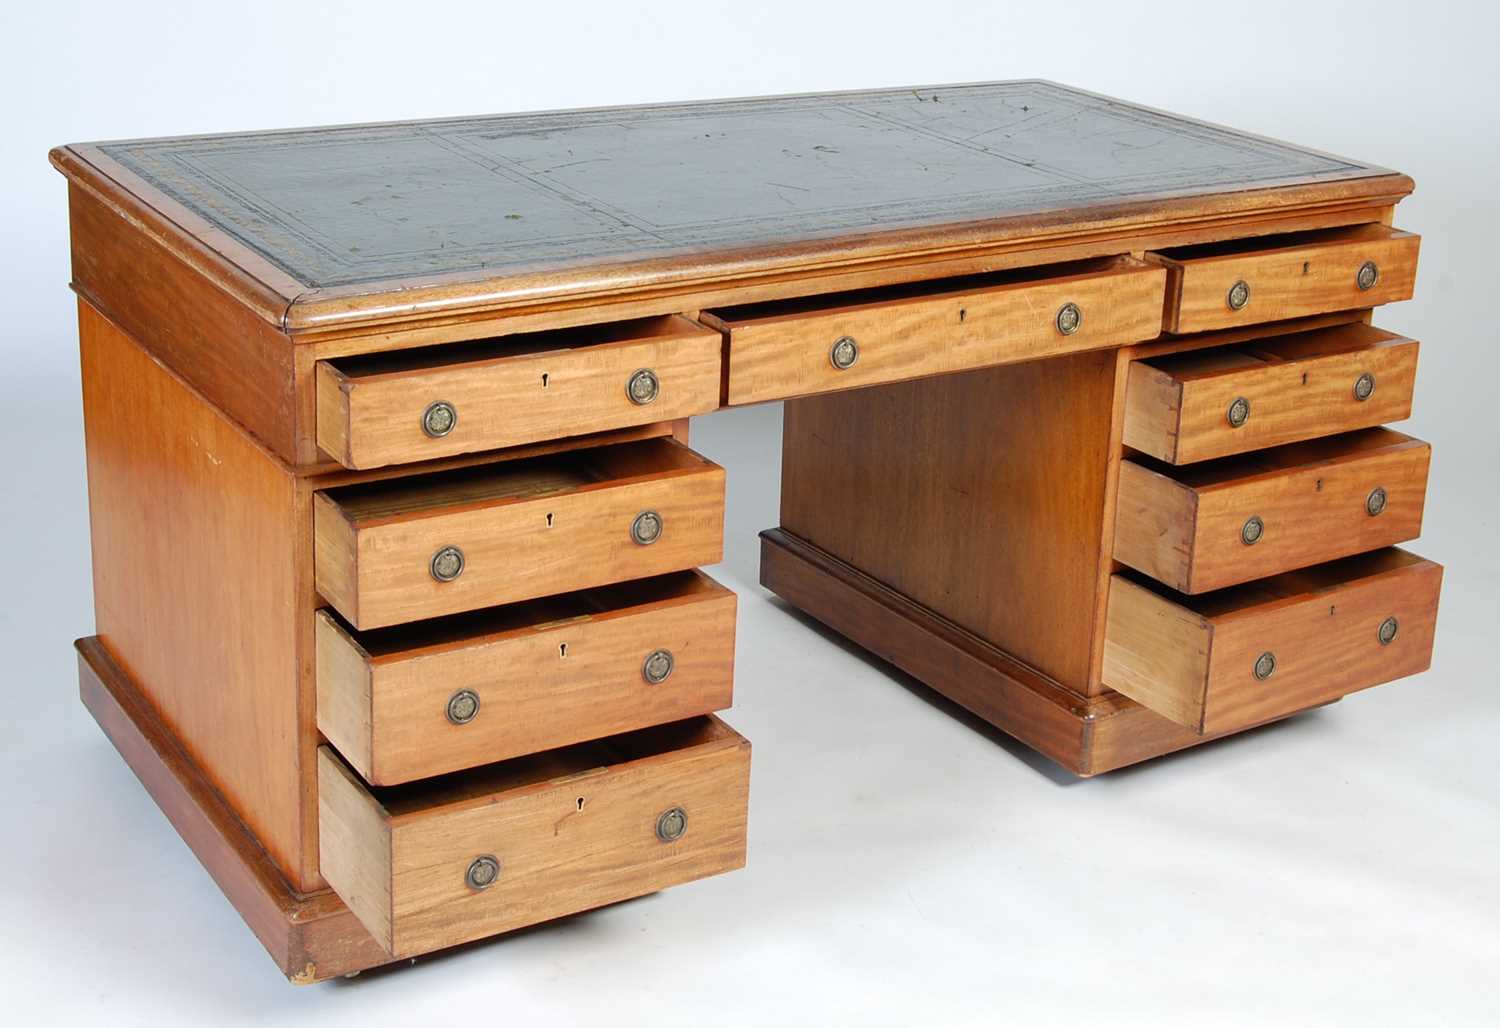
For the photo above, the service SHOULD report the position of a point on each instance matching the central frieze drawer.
(1236, 657)
(1220, 523)
(819, 344)
(416, 405)
(412, 701)
(1252, 281)
(405, 549)
(444, 861)
(1194, 405)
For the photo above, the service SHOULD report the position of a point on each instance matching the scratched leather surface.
(345, 206)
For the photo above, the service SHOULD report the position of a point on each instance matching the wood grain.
(1290, 277)
(195, 539)
(241, 364)
(781, 350)
(310, 937)
(526, 529)
(333, 334)
(979, 495)
(1183, 526)
(572, 829)
(1299, 386)
(547, 673)
(1191, 659)
(523, 389)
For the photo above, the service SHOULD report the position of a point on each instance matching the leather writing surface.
(360, 204)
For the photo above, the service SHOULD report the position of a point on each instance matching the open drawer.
(818, 344)
(1272, 278)
(410, 548)
(414, 405)
(1198, 404)
(1241, 656)
(412, 701)
(1223, 522)
(452, 859)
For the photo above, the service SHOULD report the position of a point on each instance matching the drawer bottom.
(446, 860)
(1238, 656)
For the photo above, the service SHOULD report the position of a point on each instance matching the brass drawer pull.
(482, 873)
(447, 563)
(1265, 665)
(1367, 276)
(843, 353)
(1375, 502)
(463, 706)
(657, 667)
(1238, 413)
(1388, 629)
(1069, 318)
(1238, 295)
(1253, 530)
(643, 387)
(1364, 386)
(439, 419)
(671, 825)
(646, 528)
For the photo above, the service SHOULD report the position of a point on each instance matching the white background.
(906, 865)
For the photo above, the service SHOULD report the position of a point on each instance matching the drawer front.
(1225, 522)
(432, 865)
(442, 544)
(800, 348)
(416, 701)
(376, 411)
(1257, 281)
(1242, 656)
(1212, 403)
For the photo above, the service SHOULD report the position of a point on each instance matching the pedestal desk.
(396, 525)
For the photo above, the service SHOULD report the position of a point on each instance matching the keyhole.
(1306, 265)
(580, 803)
(549, 519)
(545, 376)
(562, 650)
(962, 314)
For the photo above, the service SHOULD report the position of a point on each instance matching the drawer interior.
(1277, 460)
(434, 635)
(1246, 600)
(483, 785)
(1279, 241)
(510, 481)
(930, 290)
(460, 354)
(1260, 354)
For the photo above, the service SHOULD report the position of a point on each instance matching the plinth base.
(1086, 735)
(310, 937)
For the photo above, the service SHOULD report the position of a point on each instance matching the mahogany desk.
(396, 526)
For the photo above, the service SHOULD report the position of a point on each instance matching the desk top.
(365, 222)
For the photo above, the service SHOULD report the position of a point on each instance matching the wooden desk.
(396, 525)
